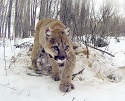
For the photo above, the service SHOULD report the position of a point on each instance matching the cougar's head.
(58, 44)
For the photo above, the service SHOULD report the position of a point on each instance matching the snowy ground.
(103, 78)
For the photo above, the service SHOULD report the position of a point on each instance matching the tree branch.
(80, 72)
(102, 51)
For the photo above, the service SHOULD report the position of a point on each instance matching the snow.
(102, 79)
(119, 50)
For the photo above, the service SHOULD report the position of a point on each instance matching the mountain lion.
(54, 38)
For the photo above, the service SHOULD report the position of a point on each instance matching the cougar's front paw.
(56, 77)
(67, 87)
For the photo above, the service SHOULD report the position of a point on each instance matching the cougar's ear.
(67, 31)
(48, 32)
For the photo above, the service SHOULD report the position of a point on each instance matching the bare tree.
(3, 18)
(66, 12)
(42, 10)
(9, 17)
(33, 15)
(79, 15)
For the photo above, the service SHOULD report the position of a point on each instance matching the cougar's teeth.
(60, 61)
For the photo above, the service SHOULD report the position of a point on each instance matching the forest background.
(87, 18)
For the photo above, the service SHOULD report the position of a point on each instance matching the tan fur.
(42, 41)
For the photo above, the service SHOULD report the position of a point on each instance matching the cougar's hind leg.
(35, 55)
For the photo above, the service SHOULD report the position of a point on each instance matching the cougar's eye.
(56, 47)
(62, 32)
(67, 47)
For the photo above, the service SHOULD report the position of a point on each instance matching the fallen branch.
(102, 51)
(37, 75)
(80, 72)
(23, 45)
(40, 75)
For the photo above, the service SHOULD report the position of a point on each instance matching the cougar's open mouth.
(61, 64)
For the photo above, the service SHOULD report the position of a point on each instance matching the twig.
(74, 75)
(73, 99)
(37, 75)
(64, 94)
(114, 54)
(13, 88)
(87, 49)
(13, 61)
(5, 60)
(20, 92)
(29, 93)
(4, 43)
(5, 86)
